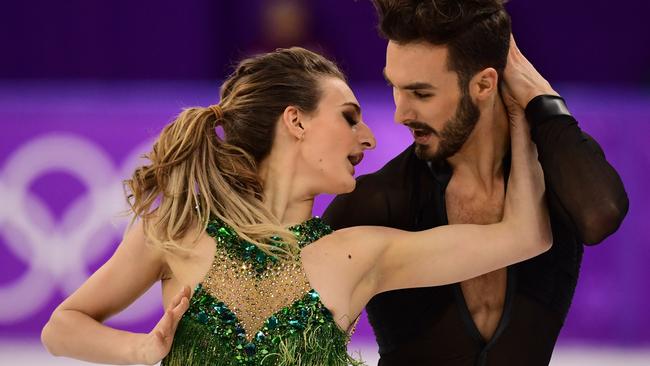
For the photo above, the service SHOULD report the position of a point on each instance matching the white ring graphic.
(57, 254)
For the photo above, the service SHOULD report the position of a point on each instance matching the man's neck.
(480, 160)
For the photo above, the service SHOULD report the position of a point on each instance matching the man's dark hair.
(476, 32)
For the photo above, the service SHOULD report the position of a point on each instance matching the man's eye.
(421, 95)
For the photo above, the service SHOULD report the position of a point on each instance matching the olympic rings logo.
(56, 253)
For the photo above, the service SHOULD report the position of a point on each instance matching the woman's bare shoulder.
(352, 240)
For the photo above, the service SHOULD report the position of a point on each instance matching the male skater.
(445, 61)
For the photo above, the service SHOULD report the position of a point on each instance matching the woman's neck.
(284, 195)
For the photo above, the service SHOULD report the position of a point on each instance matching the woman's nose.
(366, 137)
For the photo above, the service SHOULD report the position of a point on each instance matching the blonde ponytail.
(193, 176)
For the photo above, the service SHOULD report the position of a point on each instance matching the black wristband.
(544, 107)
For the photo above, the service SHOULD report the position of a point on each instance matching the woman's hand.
(522, 81)
(156, 345)
(522, 84)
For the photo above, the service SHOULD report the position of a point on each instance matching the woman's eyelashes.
(350, 119)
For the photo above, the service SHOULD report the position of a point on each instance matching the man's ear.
(484, 84)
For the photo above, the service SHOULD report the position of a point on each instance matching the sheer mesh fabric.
(427, 326)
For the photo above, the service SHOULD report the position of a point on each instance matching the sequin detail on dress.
(255, 309)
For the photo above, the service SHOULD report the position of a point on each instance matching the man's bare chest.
(474, 208)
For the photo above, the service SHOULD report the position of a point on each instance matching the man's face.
(428, 99)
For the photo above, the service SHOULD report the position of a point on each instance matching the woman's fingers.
(178, 312)
(166, 324)
(524, 81)
(177, 299)
(166, 327)
(160, 337)
(514, 50)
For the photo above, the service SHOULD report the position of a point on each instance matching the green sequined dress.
(254, 309)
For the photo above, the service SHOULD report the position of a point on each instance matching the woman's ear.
(291, 119)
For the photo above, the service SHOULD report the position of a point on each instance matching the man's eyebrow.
(419, 85)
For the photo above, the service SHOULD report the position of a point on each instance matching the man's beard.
(455, 132)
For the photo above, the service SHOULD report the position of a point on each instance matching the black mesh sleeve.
(583, 188)
(366, 205)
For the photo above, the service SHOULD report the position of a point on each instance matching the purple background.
(111, 74)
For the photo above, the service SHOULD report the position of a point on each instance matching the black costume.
(433, 326)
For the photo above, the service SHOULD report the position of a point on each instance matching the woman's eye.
(350, 119)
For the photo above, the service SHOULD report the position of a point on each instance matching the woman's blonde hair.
(194, 175)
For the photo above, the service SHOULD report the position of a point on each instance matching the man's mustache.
(417, 125)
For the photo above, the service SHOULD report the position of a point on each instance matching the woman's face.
(334, 139)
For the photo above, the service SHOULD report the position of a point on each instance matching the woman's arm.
(455, 253)
(75, 328)
(383, 259)
(584, 191)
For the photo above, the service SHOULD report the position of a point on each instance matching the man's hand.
(521, 80)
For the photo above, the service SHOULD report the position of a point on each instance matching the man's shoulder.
(370, 202)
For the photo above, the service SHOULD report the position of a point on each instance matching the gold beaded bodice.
(256, 309)
(253, 290)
